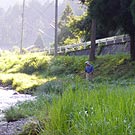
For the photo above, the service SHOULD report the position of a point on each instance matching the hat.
(87, 62)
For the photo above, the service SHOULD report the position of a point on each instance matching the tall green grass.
(103, 110)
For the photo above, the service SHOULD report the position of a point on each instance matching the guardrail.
(84, 45)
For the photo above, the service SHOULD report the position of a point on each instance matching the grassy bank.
(83, 108)
(104, 109)
(66, 103)
(28, 71)
(37, 69)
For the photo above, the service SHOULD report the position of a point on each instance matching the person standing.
(89, 69)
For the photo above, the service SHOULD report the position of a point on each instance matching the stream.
(8, 98)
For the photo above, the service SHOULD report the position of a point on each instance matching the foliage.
(21, 82)
(65, 16)
(66, 65)
(28, 108)
(35, 67)
(71, 105)
(27, 63)
(33, 64)
(70, 41)
(84, 108)
(111, 16)
(100, 47)
(32, 127)
(64, 29)
(54, 86)
(92, 110)
(132, 8)
(106, 67)
(114, 67)
(12, 114)
(115, 15)
(80, 25)
(39, 42)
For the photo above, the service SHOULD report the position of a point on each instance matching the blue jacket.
(89, 69)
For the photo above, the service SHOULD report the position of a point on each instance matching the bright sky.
(6, 3)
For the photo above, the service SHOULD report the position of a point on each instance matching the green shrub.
(26, 63)
(53, 87)
(66, 65)
(21, 82)
(33, 64)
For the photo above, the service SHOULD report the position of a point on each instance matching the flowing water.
(9, 98)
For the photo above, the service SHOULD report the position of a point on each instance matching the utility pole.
(22, 28)
(56, 27)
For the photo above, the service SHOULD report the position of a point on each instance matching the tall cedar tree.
(93, 33)
(64, 31)
(116, 15)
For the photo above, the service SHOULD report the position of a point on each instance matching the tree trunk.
(132, 46)
(93, 40)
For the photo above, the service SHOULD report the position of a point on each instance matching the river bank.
(12, 128)
(8, 98)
